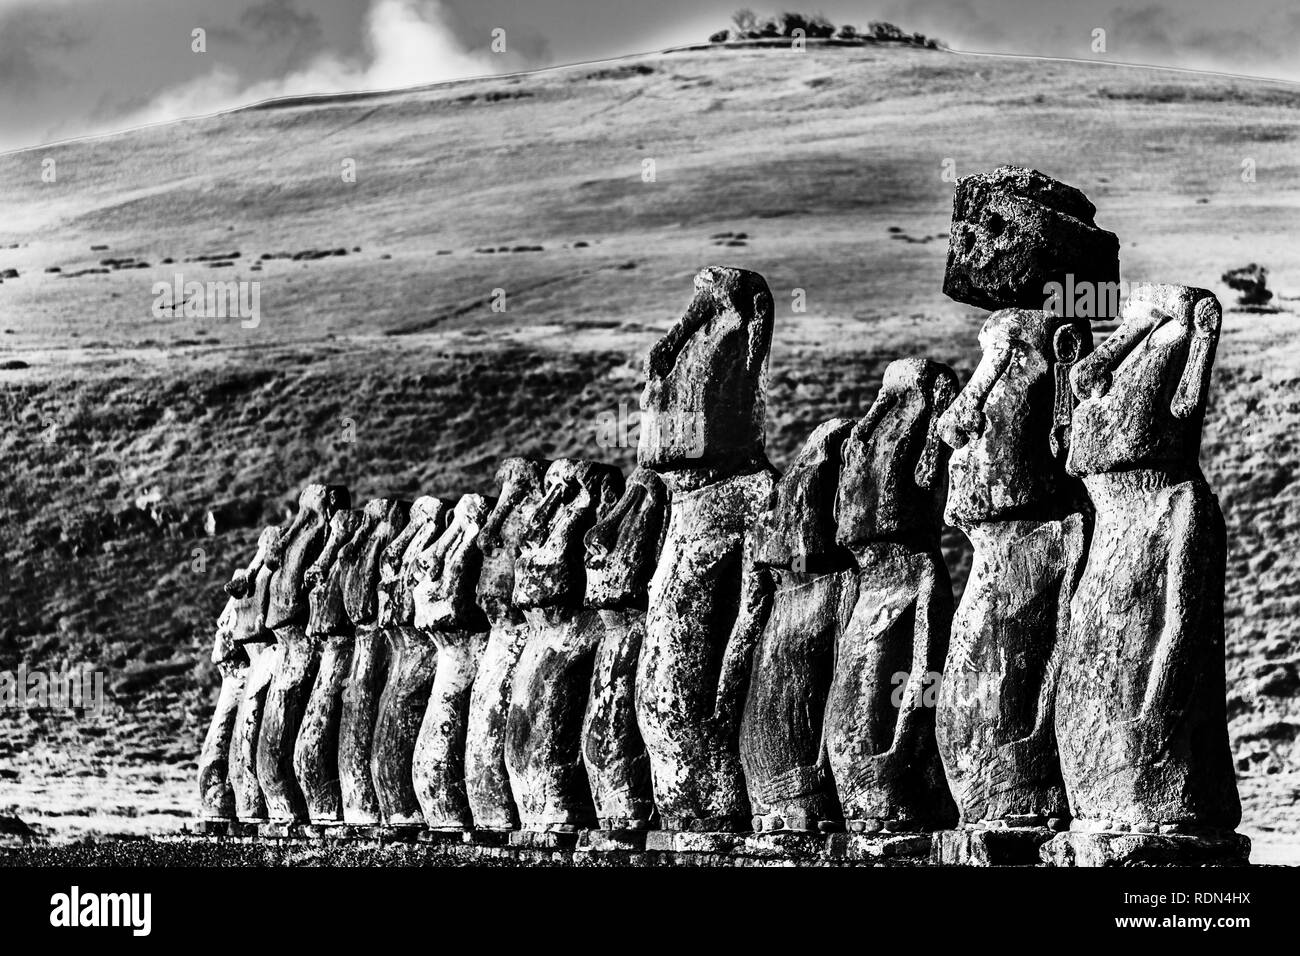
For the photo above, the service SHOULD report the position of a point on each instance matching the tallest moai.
(702, 430)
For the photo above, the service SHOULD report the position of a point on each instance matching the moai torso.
(879, 725)
(296, 655)
(548, 695)
(622, 550)
(216, 797)
(447, 613)
(702, 430)
(1140, 714)
(800, 588)
(487, 783)
(1027, 520)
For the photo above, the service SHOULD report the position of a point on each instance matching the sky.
(76, 67)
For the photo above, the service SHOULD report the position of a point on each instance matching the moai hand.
(879, 725)
(622, 549)
(1027, 521)
(702, 427)
(1140, 714)
(487, 784)
(447, 611)
(295, 655)
(216, 798)
(251, 587)
(804, 587)
(548, 698)
(387, 706)
(315, 755)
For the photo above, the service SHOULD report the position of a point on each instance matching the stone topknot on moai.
(296, 655)
(1016, 233)
(548, 698)
(702, 430)
(799, 592)
(879, 725)
(1140, 715)
(487, 783)
(622, 550)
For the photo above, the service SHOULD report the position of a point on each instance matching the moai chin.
(548, 696)
(487, 783)
(251, 587)
(216, 796)
(315, 753)
(800, 586)
(1140, 714)
(295, 655)
(1027, 520)
(702, 425)
(621, 551)
(447, 613)
(879, 724)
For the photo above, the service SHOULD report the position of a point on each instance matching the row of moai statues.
(708, 647)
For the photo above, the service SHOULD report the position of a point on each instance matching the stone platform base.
(606, 841)
(1145, 849)
(994, 846)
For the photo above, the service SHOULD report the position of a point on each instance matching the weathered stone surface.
(989, 846)
(548, 696)
(1027, 521)
(809, 586)
(395, 714)
(447, 611)
(216, 798)
(1141, 716)
(1146, 849)
(702, 430)
(1014, 231)
(622, 550)
(487, 783)
(879, 723)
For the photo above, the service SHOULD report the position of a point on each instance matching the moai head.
(382, 520)
(298, 548)
(427, 517)
(1009, 428)
(623, 546)
(251, 587)
(797, 533)
(522, 482)
(324, 579)
(446, 573)
(550, 570)
(705, 395)
(894, 477)
(1142, 394)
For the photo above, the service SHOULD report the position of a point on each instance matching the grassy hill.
(382, 365)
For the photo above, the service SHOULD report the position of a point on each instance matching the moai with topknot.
(799, 593)
(389, 701)
(622, 549)
(448, 614)
(1028, 522)
(879, 725)
(487, 784)
(296, 656)
(548, 696)
(702, 431)
(1141, 717)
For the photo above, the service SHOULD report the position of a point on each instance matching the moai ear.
(1194, 385)
(942, 392)
(1067, 348)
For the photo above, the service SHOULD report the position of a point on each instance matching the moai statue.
(295, 655)
(394, 713)
(548, 697)
(702, 430)
(447, 612)
(1027, 520)
(316, 751)
(216, 798)
(802, 585)
(1140, 716)
(487, 784)
(622, 549)
(251, 587)
(879, 724)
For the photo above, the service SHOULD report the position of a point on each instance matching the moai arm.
(755, 606)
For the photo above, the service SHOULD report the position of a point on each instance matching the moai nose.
(962, 424)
